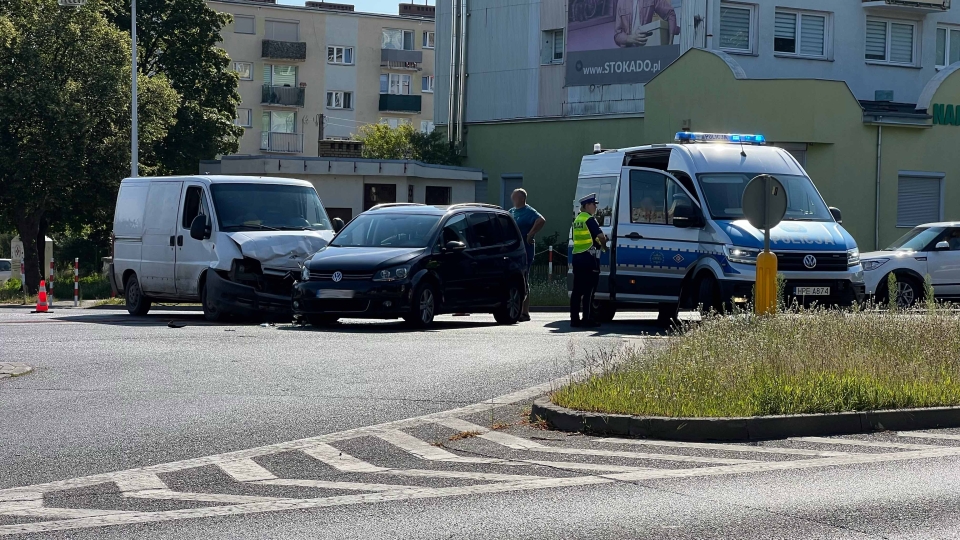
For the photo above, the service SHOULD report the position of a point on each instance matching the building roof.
(311, 9)
(269, 165)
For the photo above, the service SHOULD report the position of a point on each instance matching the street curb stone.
(13, 369)
(752, 428)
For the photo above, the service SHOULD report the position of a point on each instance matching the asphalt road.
(130, 428)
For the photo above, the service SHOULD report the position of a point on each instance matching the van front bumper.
(843, 292)
(244, 300)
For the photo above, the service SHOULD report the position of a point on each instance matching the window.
(279, 75)
(339, 100)
(737, 27)
(891, 41)
(345, 214)
(244, 24)
(426, 84)
(604, 187)
(918, 200)
(282, 30)
(340, 55)
(484, 229)
(193, 205)
(397, 39)
(437, 196)
(509, 233)
(280, 121)
(948, 45)
(455, 231)
(410, 193)
(395, 83)
(551, 48)
(244, 70)
(429, 38)
(647, 197)
(394, 123)
(374, 194)
(244, 117)
(426, 126)
(800, 34)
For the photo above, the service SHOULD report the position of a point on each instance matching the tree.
(178, 39)
(380, 141)
(65, 118)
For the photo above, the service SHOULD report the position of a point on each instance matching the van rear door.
(652, 254)
(160, 237)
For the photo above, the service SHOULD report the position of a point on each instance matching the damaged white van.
(233, 243)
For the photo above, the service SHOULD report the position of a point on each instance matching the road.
(136, 428)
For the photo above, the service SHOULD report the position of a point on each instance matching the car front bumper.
(388, 300)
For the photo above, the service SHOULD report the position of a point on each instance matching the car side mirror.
(837, 216)
(454, 246)
(684, 216)
(337, 224)
(942, 245)
(199, 229)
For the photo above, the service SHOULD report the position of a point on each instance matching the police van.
(679, 238)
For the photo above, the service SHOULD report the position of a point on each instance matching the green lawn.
(810, 362)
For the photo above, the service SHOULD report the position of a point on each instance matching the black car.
(413, 261)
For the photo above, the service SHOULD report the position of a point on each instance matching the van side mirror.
(835, 212)
(685, 216)
(337, 224)
(942, 245)
(454, 246)
(199, 230)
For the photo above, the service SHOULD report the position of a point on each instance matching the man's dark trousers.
(586, 276)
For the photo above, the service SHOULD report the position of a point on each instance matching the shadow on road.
(158, 319)
(355, 326)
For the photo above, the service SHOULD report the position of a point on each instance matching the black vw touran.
(415, 261)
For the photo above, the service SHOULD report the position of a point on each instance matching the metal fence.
(273, 141)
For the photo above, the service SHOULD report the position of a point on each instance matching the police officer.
(588, 241)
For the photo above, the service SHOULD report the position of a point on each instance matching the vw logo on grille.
(810, 261)
(337, 276)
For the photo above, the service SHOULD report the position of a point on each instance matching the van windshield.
(388, 230)
(724, 193)
(271, 207)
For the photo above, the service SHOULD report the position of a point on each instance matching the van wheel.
(423, 308)
(604, 312)
(137, 303)
(210, 311)
(509, 312)
(708, 295)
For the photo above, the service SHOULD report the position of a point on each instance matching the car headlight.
(741, 254)
(873, 264)
(391, 274)
(305, 274)
(853, 257)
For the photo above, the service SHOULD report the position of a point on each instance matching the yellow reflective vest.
(582, 241)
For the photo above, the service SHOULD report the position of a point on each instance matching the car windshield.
(915, 240)
(388, 230)
(724, 193)
(268, 207)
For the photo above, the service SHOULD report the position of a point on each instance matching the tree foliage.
(65, 118)
(380, 141)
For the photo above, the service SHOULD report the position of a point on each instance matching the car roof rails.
(393, 204)
(468, 204)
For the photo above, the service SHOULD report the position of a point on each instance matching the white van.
(678, 236)
(233, 243)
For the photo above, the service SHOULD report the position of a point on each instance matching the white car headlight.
(391, 274)
(305, 274)
(873, 264)
(853, 257)
(742, 255)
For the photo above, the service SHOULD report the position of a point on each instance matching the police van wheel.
(604, 312)
(708, 295)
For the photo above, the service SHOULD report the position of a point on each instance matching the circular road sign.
(764, 202)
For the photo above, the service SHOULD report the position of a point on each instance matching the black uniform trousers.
(586, 276)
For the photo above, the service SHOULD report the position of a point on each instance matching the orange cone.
(42, 297)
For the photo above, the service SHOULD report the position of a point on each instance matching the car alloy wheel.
(426, 306)
(906, 295)
(514, 303)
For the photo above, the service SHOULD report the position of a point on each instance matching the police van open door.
(606, 188)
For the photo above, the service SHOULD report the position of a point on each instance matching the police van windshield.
(724, 192)
(269, 207)
(604, 188)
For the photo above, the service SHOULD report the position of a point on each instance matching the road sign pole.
(764, 205)
(134, 150)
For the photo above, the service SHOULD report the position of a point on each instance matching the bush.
(816, 361)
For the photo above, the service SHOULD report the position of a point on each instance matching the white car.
(932, 249)
(6, 271)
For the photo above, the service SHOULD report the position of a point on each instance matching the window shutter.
(876, 40)
(734, 28)
(901, 43)
(918, 201)
(812, 30)
(384, 83)
(558, 45)
(244, 25)
(282, 30)
(285, 75)
(546, 49)
(785, 32)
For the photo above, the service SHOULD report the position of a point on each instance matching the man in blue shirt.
(529, 221)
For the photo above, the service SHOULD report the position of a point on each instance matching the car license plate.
(334, 293)
(811, 291)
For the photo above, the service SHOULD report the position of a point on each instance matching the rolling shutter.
(918, 201)
(785, 32)
(812, 29)
(282, 30)
(901, 43)
(734, 28)
(876, 40)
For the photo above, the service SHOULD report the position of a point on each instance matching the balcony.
(399, 103)
(282, 96)
(909, 6)
(281, 143)
(401, 59)
(283, 50)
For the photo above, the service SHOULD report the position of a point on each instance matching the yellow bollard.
(765, 302)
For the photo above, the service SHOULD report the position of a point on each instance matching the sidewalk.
(13, 369)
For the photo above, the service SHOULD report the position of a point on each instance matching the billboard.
(620, 41)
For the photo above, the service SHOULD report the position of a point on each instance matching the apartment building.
(322, 70)
(861, 92)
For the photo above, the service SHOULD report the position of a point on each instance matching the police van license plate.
(811, 291)
(334, 293)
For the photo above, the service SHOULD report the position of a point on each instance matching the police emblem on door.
(810, 262)
(656, 258)
(337, 276)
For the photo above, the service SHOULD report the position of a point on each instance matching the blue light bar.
(735, 138)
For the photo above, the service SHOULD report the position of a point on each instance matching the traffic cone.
(42, 298)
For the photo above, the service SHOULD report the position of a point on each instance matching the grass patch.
(549, 293)
(817, 361)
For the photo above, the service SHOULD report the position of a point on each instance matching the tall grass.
(808, 362)
(549, 293)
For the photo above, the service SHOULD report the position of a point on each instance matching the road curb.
(13, 369)
(746, 428)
